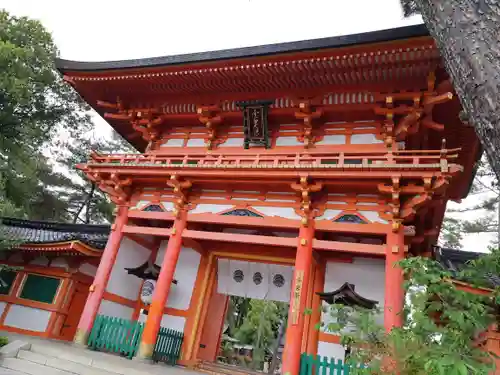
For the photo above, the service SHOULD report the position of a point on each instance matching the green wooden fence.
(314, 365)
(168, 346)
(115, 335)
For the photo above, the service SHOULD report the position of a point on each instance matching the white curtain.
(254, 280)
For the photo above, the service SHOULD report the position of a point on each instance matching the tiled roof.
(44, 232)
(454, 260)
(264, 50)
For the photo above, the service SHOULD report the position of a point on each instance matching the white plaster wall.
(168, 321)
(2, 307)
(337, 139)
(367, 274)
(177, 142)
(373, 216)
(173, 322)
(130, 254)
(329, 214)
(141, 204)
(285, 212)
(331, 350)
(185, 273)
(88, 269)
(195, 142)
(288, 141)
(27, 318)
(40, 261)
(233, 142)
(211, 208)
(363, 139)
(168, 206)
(114, 309)
(59, 262)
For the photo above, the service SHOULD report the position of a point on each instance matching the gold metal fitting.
(303, 241)
(173, 231)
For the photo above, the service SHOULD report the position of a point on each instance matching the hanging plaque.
(255, 124)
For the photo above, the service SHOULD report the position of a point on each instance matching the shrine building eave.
(236, 53)
(54, 239)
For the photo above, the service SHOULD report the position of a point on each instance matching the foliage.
(442, 327)
(40, 112)
(84, 201)
(36, 107)
(258, 328)
(3, 341)
(486, 192)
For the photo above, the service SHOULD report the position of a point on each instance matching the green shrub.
(3, 341)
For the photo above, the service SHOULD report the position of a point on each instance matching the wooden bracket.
(402, 119)
(181, 189)
(210, 117)
(118, 189)
(304, 188)
(144, 121)
(307, 113)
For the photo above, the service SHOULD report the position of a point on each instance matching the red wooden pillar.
(319, 284)
(101, 278)
(394, 292)
(298, 301)
(162, 289)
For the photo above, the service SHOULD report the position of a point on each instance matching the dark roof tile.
(44, 232)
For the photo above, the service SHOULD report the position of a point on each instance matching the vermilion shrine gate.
(313, 164)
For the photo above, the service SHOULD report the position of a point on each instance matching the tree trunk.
(467, 33)
(88, 202)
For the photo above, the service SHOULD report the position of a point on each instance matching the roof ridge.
(55, 226)
(403, 32)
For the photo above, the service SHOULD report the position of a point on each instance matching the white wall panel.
(367, 275)
(173, 322)
(130, 255)
(331, 350)
(40, 261)
(59, 262)
(338, 139)
(88, 269)
(27, 318)
(185, 273)
(212, 208)
(114, 309)
(2, 307)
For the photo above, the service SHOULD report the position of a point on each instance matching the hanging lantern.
(148, 288)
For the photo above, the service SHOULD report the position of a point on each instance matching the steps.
(224, 369)
(46, 357)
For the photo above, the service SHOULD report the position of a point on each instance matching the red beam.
(371, 228)
(136, 229)
(240, 238)
(349, 247)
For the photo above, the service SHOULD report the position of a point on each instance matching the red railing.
(279, 159)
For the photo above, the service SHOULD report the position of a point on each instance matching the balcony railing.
(417, 158)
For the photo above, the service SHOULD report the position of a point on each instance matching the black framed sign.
(255, 124)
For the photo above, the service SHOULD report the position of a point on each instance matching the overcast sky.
(96, 30)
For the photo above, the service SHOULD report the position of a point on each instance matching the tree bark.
(467, 33)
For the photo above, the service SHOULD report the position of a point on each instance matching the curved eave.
(69, 247)
(246, 52)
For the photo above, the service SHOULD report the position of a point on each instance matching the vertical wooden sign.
(297, 294)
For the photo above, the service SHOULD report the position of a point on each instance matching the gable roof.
(454, 260)
(33, 232)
